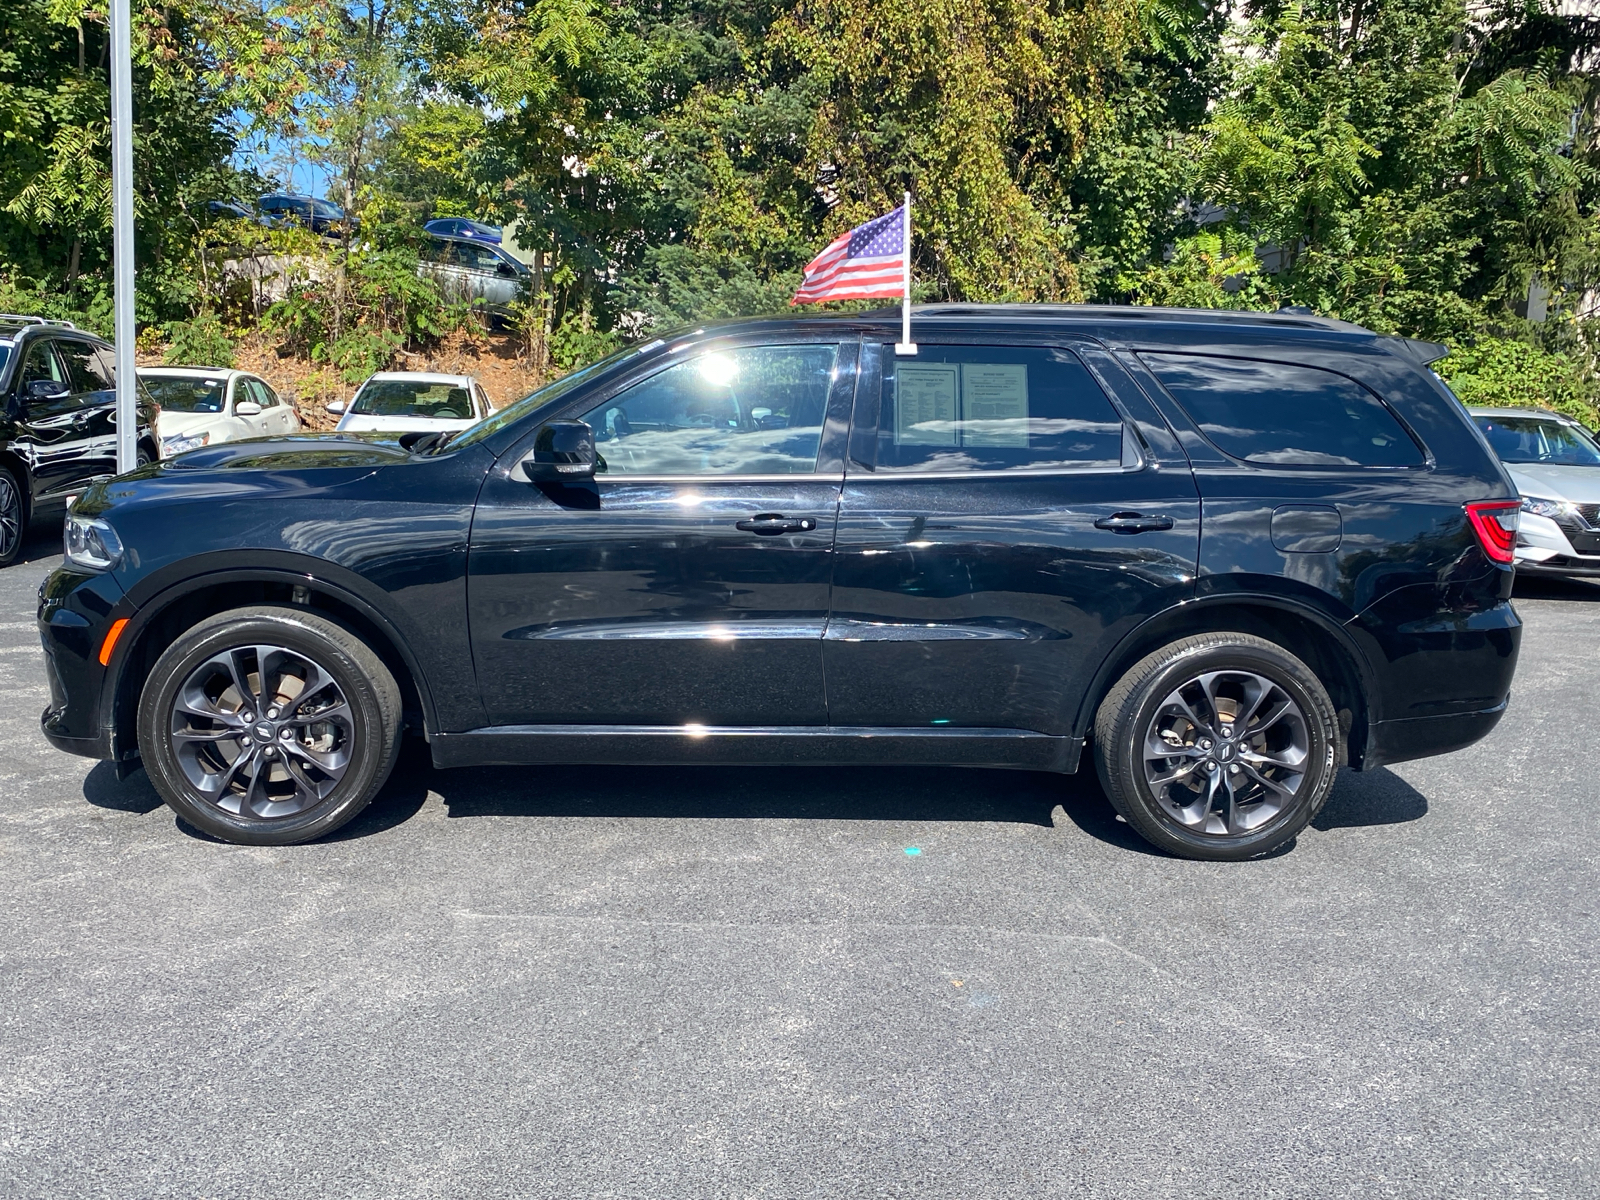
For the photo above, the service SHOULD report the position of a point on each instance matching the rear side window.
(1284, 415)
(993, 408)
(84, 366)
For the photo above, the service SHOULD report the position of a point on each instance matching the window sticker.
(925, 404)
(994, 404)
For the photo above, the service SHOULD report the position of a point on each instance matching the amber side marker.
(110, 644)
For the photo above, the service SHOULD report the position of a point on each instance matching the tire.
(1224, 793)
(13, 517)
(298, 770)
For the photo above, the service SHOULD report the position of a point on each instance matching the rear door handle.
(1132, 522)
(772, 524)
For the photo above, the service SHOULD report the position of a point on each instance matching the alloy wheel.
(1226, 753)
(262, 732)
(10, 516)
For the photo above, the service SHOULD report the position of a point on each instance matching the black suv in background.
(58, 420)
(1228, 552)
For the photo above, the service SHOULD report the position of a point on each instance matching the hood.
(1581, 485)
(300, 451)
(362, 423)
(170, 423)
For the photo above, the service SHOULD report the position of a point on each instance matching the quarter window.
(994, 408)
(757, 410)
(1284, 415)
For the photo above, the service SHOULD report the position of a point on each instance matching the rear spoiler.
(1419, 352)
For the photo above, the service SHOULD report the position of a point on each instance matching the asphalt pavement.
(707, 983)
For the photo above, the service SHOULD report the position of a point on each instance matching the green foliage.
(201, 342)
(1504, 372)
(576, 343)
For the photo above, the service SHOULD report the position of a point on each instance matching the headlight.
(91, 543)
(180, 442)
(1541, 507)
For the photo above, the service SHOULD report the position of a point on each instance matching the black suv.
(58, 420)
(1231, 552)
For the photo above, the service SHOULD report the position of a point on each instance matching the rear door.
(689, 585)
(1009, 513)
(95, 391)
(52, 423)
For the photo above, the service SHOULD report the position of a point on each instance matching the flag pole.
(905, 345)
(121, 23)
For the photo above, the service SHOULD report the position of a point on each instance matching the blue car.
(463, 227)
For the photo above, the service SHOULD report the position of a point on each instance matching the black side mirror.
(563, 452)
(46, 389)
(506, 269)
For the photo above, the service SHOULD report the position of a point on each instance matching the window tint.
(1285, 415)
(108, 363)
(41, 364)
(751, 411)
(83, 366)
(993, 408)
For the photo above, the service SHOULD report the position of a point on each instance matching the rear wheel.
(13, 517)
(1220, 746)
(268, 726)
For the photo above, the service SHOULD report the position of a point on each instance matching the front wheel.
(269, 726)
(13, 517)
(1220, 746)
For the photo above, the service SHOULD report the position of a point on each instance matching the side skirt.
(730, 745)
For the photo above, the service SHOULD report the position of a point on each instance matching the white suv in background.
(402, 401)
(201, 406)
(1555, 463)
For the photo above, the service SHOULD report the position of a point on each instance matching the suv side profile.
(58, 415)
(1225, 553)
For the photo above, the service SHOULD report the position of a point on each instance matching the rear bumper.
(1422, 737)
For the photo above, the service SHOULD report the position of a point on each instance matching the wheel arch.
(1310, 636)
(163, 616)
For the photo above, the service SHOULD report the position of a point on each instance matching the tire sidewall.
(22, 516)
(368, 762)
(1321, 727)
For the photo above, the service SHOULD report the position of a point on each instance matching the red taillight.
(1495, 523)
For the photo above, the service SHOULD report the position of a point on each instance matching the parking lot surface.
(598, 982)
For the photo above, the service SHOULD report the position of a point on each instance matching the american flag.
(866, 262)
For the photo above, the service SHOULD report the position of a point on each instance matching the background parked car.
(1555, 463)
(414, 400)
(464, 227)
(58, 421)
(484, 275)
(319, 216)
(201, 406)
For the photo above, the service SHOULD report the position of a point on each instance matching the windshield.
(186, 395)
(414, 398)
(549, 392)
(1535, 440)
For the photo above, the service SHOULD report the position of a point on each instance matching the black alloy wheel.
(1220, 746)
(269, 726)
(13, 518)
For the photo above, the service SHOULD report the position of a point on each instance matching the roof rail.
(19, 319)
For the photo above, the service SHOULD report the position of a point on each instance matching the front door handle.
(1132, 522)
(772, 524)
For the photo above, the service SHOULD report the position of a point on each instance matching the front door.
(689, 585)
(67, 442)
(1003, 525)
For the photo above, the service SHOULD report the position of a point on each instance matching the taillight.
(1495, 523)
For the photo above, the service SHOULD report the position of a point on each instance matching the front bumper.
(75, 611)
(1549, 547)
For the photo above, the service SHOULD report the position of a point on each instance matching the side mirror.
(563, 452)
(47, 389)
(507, 270)
(336, 407)
(247, 408)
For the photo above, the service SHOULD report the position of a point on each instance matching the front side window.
(41, 363)
(1280, 414)
(83, 367)
(994, 408)
(757, 410)
(1535, 440)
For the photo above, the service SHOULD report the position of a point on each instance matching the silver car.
(1555, 463)
(485, 276)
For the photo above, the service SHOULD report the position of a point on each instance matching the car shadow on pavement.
(132, 795)
(1377, 797)
(1534, 587)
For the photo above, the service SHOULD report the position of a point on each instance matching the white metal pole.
(122, 229)
(905, 345)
